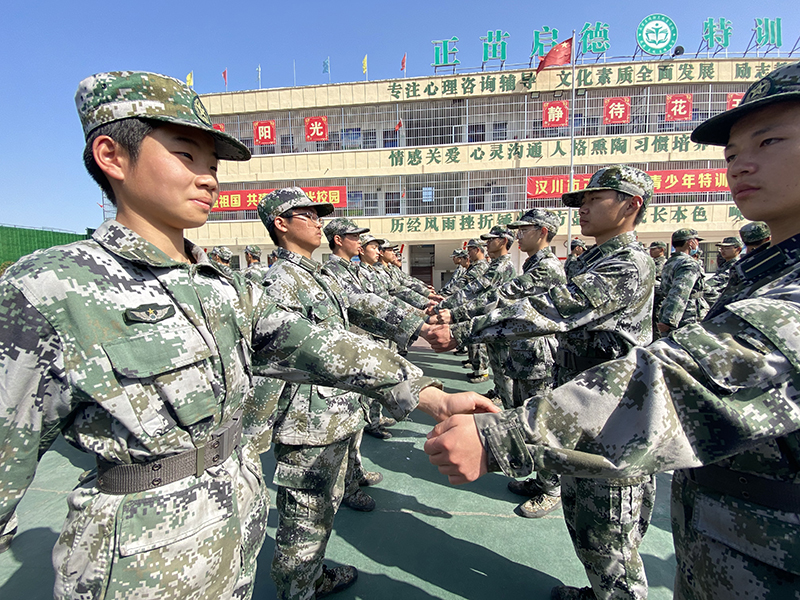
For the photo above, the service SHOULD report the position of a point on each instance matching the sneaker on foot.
(467, 364)
(460, 352)
(378, 432)
(5, 540)
(370, 478)
(387, 422)
(528, 487)
(539, 506)
(359, 501)
(335, 580)
(475, 378)
(566, 592)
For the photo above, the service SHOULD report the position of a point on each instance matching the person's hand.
(430, 308)
(441, 405)
(435, 297)
(663, 328)
(445, 316)
(440, 338)
(455, 448)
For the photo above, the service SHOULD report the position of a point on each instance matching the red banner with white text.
(248, 199)
(679, 181)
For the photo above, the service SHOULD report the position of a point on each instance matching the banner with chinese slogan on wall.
(678, 108)
(734, 98)
(248, 199)
(679, 181)
(555, 114)
(316, 129)
(263, 133)
(616, 110)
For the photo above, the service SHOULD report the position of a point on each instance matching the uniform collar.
(307, 264)
(773, 258)
(119, 240)
(609, 246)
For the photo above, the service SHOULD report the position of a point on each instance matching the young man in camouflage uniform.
(457, 257)
(576, 249)
(658, 251)
(682, 284)
(318, 429)
(604, 311)
(389, 260)
(756, 236)
(717, 400)
(221, 254)
(730, 248)
(255, 269)
(140, 351)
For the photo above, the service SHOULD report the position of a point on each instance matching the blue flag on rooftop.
(326, 65)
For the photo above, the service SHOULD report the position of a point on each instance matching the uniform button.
(215, 459)
(215, 444)
(156, 467)
(743, 480)
(156, 482)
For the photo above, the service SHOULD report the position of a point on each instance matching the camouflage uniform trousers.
(311, 484)
(710, 570)
(478, 358)
(524, 389)
(177, 550)
(607, 519)
(497, 353)
(375, 408)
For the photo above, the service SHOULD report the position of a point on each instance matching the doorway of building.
(421, 261)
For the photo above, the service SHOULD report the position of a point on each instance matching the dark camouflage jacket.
(682, 285)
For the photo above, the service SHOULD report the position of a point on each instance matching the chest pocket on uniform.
(167, 364)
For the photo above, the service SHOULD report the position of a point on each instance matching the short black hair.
(271, 227)
(332, 243)
(623, 196)
(550, 234)
(128, 133)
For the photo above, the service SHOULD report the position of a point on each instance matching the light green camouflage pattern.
(342, 226)
(682, 286)
(397, 290)
(222, 252)
(450, 287)
(731, 241)
(479, 278)
(658, 244)
(716, 284)
(256, 272)
(253, 250)
(108, 97)
(755, 232)
(498, 231)
(134, 356)
(538, 216)
(684, 234)
(400, 277)
(723, 391)
(619, 178)
(278, 202)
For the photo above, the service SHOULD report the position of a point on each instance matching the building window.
(370, 139)
(392, 203)
(499, 198)
(476, 199)
(499, 131)
(476, 133)
(332, 143)
(390, 138)
(371, 204)
(287, 143)
(351, 138)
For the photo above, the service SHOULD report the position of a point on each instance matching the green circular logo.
(657, 34)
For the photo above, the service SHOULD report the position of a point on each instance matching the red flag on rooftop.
(225, 75)
(403, 63)
(399, 125)
(560, 54)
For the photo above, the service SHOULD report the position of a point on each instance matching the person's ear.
(111, 158)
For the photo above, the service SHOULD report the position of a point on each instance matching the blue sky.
(50, 46)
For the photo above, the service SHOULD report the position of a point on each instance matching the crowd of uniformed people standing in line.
(618, 364)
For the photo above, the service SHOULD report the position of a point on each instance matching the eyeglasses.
(523, 230)
(313, 217)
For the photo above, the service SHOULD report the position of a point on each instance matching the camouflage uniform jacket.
(371, 282)
(571, 264)
(602, 312)
(659, 262)
(682, 284)
(723, 392)
(133, 357)
(400, 277)
(528, 358)
(479, 277)
(381, 281)
(715, 285)
(449, 287)
(256, 272)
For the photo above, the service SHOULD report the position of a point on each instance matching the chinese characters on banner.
(679, 107)
(249, 199)
(734, 98)
(316, 129)
(681, 181)
(555, 114)
(219, 126)
(263, 133)
(616, 110)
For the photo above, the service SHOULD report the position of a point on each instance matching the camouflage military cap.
(658, 244)
(366, 238)
(108, 97)
(458, 253)
(387, 245)
(498, 231)
(577, 243)
(730, 241)
(620, 178)
(278, 202)
(755, 232)
(253, 251)
(475, 243)
(684, 234)
(780, 85)
(540, 217)
(342, 226)
(222, 252)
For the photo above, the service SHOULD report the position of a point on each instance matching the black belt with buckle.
(778, 495)
(140, 477)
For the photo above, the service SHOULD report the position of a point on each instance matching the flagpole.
(259, 76)
(329, 69)
(571, 141)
